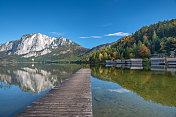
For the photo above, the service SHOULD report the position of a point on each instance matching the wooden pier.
(72, 98)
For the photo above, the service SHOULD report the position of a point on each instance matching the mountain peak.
(34, 35)
(34, 44)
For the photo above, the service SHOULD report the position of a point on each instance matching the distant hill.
(99, 47)
(154, 39)
(39, 48)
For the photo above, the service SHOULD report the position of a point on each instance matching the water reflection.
(22, 84)
(171, 68)
(33, 79)
(151, 86)
(30, 80)
(160, 68)
(125, 92)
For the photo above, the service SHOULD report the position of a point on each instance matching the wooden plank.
(72, 98)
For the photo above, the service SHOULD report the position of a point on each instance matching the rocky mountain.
(36, 44)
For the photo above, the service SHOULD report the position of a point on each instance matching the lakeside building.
(171, 61)
(119, 62)
(136, 61)
(110, 62)
(161, 55)
(129, 61)
(157, 61)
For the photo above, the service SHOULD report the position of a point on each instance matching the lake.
(125, 91)
(22, 84)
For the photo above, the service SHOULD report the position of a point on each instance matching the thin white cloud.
(95, 36)
(119, 90)
(84, 37)
(56, 33)
(113, 34)
(118, 34)
(91, 37)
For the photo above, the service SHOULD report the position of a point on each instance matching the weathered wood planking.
(71, 99)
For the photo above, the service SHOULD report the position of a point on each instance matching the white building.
(157, 61)
(171, 61)
(136, 61)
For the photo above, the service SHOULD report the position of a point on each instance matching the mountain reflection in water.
(34, 78)
(22, 84)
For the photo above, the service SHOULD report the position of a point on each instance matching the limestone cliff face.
(34, 44)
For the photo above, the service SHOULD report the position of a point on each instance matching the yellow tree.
(109, 56)
(114, 55)
(100, 57)
(131, 55)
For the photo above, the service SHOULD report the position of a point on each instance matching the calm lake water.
(124, 91)
(20, 85)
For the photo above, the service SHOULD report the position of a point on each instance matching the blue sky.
(86, 22)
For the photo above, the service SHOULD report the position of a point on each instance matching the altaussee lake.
(118, 91)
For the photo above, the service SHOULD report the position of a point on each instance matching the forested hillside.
(154, 39)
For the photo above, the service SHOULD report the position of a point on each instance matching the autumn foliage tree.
(144, 52)
(153, 39)
(100, 57)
